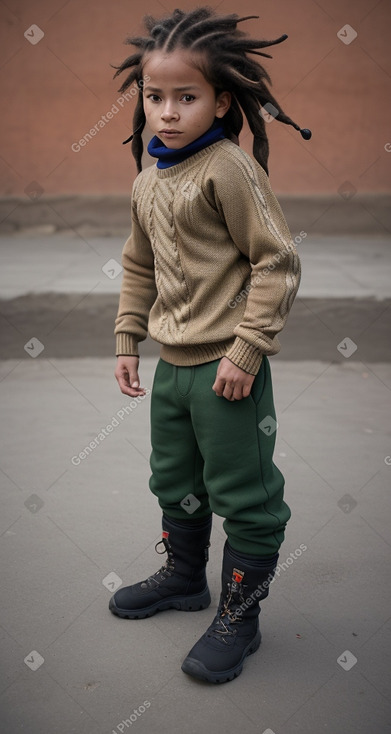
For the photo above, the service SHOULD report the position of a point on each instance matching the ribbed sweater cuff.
(126, 344)
(245, 356)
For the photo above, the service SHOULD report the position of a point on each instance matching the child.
(211, 271)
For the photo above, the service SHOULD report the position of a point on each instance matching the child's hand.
(126, 374)
(231, 382)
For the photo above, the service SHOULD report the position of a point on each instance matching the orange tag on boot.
(237, 575)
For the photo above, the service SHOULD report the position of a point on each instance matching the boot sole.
(191, 603)
(197, 669)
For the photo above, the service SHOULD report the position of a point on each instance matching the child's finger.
(133, 392)
(129, 384)
(218, 386)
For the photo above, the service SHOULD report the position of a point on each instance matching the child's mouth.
(169, 134)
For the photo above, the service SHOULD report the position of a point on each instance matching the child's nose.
(169, 110)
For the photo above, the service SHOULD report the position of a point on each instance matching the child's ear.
(223, 103)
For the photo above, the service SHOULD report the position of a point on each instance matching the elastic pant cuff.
(257, 561)
(202, 522)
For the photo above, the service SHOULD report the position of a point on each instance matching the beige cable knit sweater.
(210, 268)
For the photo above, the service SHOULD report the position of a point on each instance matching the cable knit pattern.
(169, 276)
(210, 268)
(292, 275)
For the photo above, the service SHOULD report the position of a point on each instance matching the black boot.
(179, 584)
(219, 654)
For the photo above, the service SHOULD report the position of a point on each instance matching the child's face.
(188, 111)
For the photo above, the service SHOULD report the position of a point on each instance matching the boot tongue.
(237, 578)
(234, 596)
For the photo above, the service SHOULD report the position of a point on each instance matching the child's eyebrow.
(176, 89)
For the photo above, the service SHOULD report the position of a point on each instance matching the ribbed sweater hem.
(245, 356)
(196, 354)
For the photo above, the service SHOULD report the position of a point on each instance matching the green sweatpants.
(213, 455)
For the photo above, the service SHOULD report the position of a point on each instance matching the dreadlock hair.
(220, 53)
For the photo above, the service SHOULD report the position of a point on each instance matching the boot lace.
(227, 620)
(166, 570)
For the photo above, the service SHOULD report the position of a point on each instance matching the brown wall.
(53, 92)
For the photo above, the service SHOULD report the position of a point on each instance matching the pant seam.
(187, 393)
(271, 514)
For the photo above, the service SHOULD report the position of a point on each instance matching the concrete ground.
(72, 529)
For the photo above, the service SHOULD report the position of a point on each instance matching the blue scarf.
(169, 156)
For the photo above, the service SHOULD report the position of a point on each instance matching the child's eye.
(185, 97)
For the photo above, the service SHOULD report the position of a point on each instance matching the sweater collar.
(168, 157)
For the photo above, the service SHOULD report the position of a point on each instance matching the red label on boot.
(165, 534)
(237, 575)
